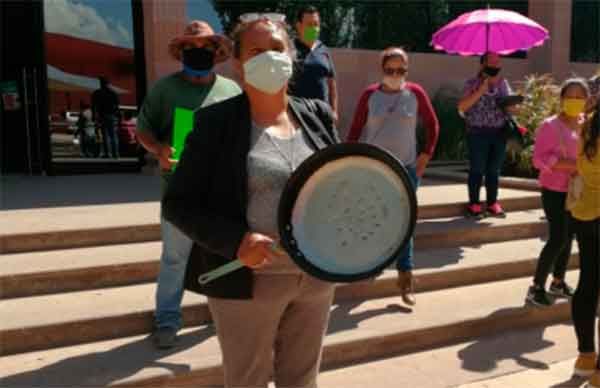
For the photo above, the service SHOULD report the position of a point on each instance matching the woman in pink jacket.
(555, 155)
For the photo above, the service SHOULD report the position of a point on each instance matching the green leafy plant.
(541, 101)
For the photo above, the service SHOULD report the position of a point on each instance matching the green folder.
(183, 123)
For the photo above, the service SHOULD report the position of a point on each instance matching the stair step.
(359, 331)
(45, 272)
(82, 226)
(42, 322)
(441, 268)
(460, 174)
(97, 235)
(489, 359)
(458, 231)
(526, 202)
(79, 226)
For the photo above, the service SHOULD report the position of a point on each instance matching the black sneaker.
(561, 290)
(537, 296)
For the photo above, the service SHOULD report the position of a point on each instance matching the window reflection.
(87, 40)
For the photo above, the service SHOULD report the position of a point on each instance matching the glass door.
(91, 72)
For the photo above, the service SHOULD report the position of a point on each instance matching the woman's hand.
(422, 161)
(258, 250)
(485, 85)
(465, 103)
(164, 158)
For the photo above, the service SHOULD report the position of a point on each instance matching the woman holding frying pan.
(224, 195)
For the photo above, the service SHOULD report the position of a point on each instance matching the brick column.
(163, 20)
(554, 56)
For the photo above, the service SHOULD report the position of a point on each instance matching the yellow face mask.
(573, 107)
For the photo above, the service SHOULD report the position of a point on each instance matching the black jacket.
(207, 194)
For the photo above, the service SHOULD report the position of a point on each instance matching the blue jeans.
(108, 126)
(404, 261)
(176, 248)
(486, 156)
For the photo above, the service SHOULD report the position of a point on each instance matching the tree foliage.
(369, 24)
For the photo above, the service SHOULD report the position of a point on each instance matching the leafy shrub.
(541, 101)
(452, 141)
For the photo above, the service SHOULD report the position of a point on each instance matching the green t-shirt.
(156, 115)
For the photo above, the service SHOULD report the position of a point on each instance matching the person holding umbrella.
(485, 121)
(488, 33)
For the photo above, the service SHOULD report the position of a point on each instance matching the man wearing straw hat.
(195, 86)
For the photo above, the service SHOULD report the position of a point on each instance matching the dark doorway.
(24, 117)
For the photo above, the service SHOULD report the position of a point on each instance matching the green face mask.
(311, 33)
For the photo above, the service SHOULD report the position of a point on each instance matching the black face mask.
(199, 58)
(491, 71)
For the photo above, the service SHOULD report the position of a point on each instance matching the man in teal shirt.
(196, 86)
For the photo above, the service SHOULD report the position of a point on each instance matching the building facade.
(49, 73)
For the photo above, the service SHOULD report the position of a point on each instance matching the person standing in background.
(195, 86)
(386, 116)
(105, 111)
(314, 72)
(586, 219)
(485, 121)
(554, 155)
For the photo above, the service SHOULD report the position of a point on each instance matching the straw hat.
(199, 31)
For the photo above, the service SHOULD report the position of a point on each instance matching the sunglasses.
(270, 16)
(395, 71)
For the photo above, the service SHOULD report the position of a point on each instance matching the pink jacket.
(549, 148)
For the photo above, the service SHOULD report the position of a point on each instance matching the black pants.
(585, 300)
(557, 250)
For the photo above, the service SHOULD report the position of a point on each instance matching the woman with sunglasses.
(386, 116)
(270, 316)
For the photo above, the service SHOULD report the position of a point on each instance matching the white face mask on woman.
(269, 71)
(394, 83)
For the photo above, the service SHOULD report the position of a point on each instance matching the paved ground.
(533, 352)
(34, 192)
(557, 375)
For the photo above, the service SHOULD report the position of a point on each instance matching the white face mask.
(393, 83)
(269, 71)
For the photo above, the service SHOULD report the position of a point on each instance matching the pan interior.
(351, 215)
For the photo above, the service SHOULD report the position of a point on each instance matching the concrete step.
(46, 272)
(359, 331)
(43, 322)
(459, 231)
(460, 174)
(82, 226)
(78, 226)
(481, 363)
(526, 202)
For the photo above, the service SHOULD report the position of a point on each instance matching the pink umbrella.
(489, 30)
